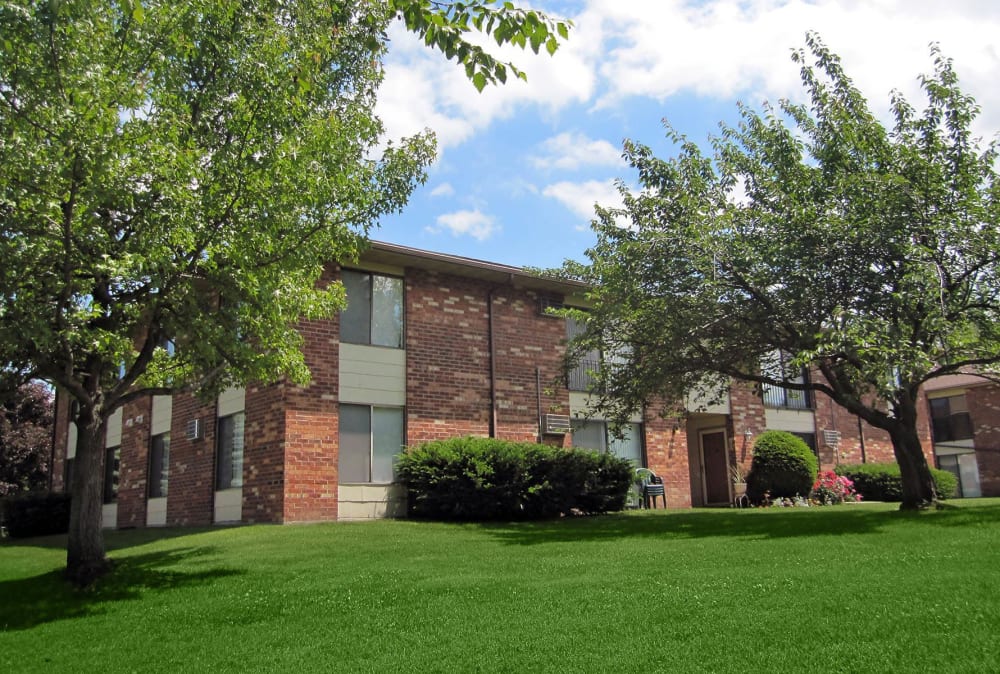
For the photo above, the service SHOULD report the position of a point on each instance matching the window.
(950, 420)
(596, 435)
(374, 313)
(778, 367)
(229, 452)
(159, 465)
(370, 439)
(581, 377)
(112, 460)
(809, 439)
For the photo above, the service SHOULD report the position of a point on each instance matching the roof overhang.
(491, 272)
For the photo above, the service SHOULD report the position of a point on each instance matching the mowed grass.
(854, 588)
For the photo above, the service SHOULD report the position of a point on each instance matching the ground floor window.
(112, 463)
(159, 465)
(590, 434)
(370, 440)
(809, 439)
(229, 452)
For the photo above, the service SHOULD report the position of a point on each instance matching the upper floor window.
(778, 367)
(374, 313)
(581, 377)
(950, 419)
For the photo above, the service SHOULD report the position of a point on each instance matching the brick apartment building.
(431, 346)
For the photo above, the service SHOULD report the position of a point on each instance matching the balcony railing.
(778, 396)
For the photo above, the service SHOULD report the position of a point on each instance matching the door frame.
(704, 468)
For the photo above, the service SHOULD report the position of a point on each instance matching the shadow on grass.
(713, 523)
(114, 539)
(29, 602)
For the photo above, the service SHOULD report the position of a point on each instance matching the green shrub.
(783, 465)
(486, 479)
(882, 481)
(36, 514)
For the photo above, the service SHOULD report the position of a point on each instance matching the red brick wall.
(311, 429)
(529, 349)
(984, 410)
(263, 457)
(191, 488)
(447, 357)
(746, 414)
(667, 456)
(877, 444)
(134, 465)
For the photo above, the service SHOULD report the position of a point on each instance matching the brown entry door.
(713, 452)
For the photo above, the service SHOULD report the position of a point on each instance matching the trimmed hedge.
(35, 514)
(783, 466)
(882, 481)
(478, 479)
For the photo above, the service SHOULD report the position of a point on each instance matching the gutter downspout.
(493, 362)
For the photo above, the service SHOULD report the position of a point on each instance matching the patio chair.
(650, 486)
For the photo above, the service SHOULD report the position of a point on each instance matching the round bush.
(783, 465)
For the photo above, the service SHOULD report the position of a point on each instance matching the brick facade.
(466, 324)
(984, 410)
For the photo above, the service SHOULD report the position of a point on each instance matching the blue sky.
(521, 166)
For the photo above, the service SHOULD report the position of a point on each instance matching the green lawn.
(854, 588)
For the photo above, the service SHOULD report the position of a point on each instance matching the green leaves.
(444, 26)
(869, 253)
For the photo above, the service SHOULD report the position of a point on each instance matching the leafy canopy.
(179, 173)
(814, 231)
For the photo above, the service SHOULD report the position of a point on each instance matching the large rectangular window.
(159, 465)
(370, 439)
(229, 452)
(950, 420)
(112, 465)
(596, 435)
(374, 313)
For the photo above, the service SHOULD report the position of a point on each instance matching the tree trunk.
(85, 559)
(919, 490)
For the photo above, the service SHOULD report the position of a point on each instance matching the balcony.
(784, 398)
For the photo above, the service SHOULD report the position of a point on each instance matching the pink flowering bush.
(830, 489)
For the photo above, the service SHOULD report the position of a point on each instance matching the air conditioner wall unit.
(195, 429)
(556, 424)
(831, 438)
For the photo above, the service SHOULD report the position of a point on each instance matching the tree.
(25, 438)
(813, 236)
(174, 176)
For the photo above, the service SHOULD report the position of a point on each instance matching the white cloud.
(569, 151)
(580, 198)
(724, 49)
(728, 49)
(475, 223)
(424, 90)
(443, 190)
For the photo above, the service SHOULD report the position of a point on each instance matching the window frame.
(112, 474)
(372, 449)
(638, 428)
(162, 487)
(370, 309)
(235, 474)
